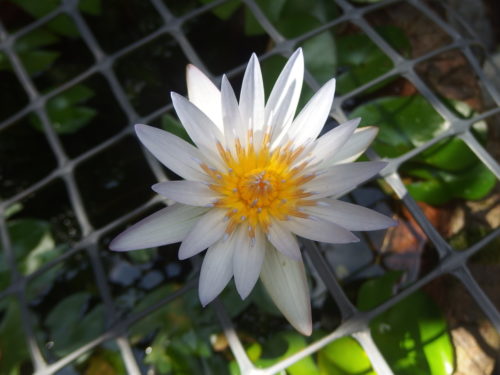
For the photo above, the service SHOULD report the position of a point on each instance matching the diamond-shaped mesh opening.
(117, 23)
(27, 140)
(149, 73)
(12, 97)
(108, 183)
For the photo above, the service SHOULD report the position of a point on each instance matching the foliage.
(446, 170)
(412, 335)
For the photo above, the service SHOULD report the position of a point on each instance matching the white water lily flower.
(257, 178)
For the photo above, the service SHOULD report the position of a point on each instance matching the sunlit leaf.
(344, 357)
(412, 335)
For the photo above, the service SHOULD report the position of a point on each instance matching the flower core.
(260, 185)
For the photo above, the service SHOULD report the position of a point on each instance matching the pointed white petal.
(355, 146)
(285, 281)
(312, 118)
(169, 225)
(209, 229)
(204, 94)
(330, 143)
(349, 216)
(216, 270)
(252, 96)
(320, 230)
(283, 240)
(233, 126)
(173, 152)
(247, 261)
(200, 128)
(284, 97)
(341, 178)
(188, 192)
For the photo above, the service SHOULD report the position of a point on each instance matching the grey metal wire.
(354, 322)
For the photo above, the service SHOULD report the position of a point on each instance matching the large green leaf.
(404, 123)
(436, 186)
(412, 335)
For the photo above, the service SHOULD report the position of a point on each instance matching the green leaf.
(279, 347)
(364, 61)
(65, 112)
(439, 186)
(70, 326)
(32, 243)
(446, 170)
(174, 126)
(38, 61)
(34, 58)
(412, 335)
(320, 56)
(63, 25)
(404, 123)
(344, 357)
(37, 38)
(450, 154)
(13, 348)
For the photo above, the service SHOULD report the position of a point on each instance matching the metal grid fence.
(354, 322)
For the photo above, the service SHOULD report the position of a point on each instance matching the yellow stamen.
(260, 184)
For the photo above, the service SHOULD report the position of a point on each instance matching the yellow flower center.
(260, 184)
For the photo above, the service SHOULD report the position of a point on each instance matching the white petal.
(200, 128)
(355, 146)
(233, 126)
(252, 96)
(247, 261)
(312, 118)
(320, 230)
(283, 240)
(349, 216)
(204, 94)
(209, 229)
(284, 97)
(169, 225)
(344, 177)
(285, 281)
(173, 152)
(188, 192)
(330, 143)
(216, 270)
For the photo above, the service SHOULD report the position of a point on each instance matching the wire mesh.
(354, 322)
